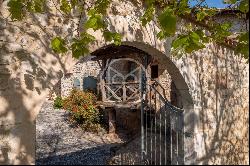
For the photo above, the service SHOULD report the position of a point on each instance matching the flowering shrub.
(83, 110)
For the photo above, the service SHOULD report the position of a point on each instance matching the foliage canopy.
(165, 12)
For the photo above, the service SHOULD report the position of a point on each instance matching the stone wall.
(28, 71)
(222, 104)
(213, 83)
(165, 79)
(84, 68)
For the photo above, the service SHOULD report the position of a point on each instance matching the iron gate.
(161, 140)
(161, 129)
(161, 137)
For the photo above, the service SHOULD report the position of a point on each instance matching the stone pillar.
(112, 120)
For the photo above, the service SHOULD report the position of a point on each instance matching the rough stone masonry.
(213, 83)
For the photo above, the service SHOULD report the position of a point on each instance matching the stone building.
(210, 85)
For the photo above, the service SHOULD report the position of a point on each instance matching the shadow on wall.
(22, 75)
(13, 96)
(224, 113)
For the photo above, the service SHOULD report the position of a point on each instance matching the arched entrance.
(152, 113)
(125, 81)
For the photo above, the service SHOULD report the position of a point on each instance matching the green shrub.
(58, 102)
(83, 110)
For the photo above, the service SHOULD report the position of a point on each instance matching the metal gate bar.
(161, 137)
(160, 147)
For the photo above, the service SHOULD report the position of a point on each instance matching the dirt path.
(57, 142)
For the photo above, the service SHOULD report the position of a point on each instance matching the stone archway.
(190, 118)
(180, 85)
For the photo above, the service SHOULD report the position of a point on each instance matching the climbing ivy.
(165, 12)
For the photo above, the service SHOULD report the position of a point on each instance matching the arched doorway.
(129, 63)
(161, 123)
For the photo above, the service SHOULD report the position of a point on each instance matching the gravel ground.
(58, 142)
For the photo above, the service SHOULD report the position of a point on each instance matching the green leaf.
(101, 6)
(148, 15)
(201, 15)
(79, 46)
(149, 2)
(243, 49)
(244, 6)
(65, 6)
(183, 7)
(117, 39)
(195, 42)
(244, 37)
(95, 22)
(87, 38)
(73, 3)
(16, 9)
(91, 22)
(108, 36)
(167, 21)
(229, 1)
(36, 6)
(58, 45)
(195, 37)
(92, 12)
(190, 42)
(160, 35)
(78, 49)
(144, 21)
(226, 26)
(221, 31)
(211, 11)
(180, 41)
(202, 36)
(243, 45)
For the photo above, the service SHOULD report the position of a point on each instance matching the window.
(90, 83)
(76, 83)
(154, 71)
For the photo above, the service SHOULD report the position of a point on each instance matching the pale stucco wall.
(216, 120)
